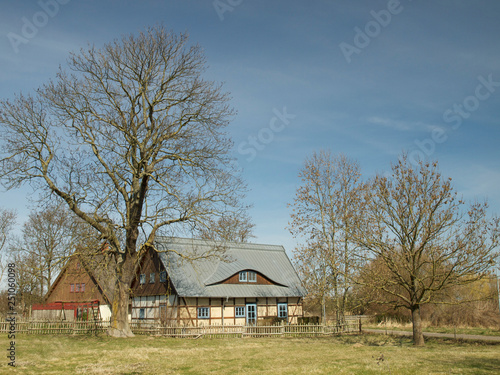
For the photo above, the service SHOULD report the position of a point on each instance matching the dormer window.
(252, 277)
(248, 276)
(243, 276)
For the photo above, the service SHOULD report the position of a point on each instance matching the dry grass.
(366, 354)
(427, 327)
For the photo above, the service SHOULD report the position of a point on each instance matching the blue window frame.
(239, 312)
(152, 278)
(141, 313)
(163, 276)
(282, 310)
(203, 312)
(142, 278)
(251, 313)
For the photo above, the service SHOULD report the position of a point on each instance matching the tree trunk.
(323, 310)
(418, 337)
(120, 326)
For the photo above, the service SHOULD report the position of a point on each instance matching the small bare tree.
(132, 139)
(7, 222)
(416, 228)
(48, 238)
(230, 228)
(325, 213)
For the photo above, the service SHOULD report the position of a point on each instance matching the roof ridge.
(269, 247)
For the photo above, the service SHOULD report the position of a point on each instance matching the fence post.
(360, 330)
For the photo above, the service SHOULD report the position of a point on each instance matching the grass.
(359, 354)
(458, 330)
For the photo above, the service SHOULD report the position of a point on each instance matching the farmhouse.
(198, 282)
(81, 291)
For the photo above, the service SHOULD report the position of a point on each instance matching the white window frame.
(280, 306)
(252, 277)
(242, 313)
(243, 277)
(203, 312)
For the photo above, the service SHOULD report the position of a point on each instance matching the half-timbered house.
(199, 282)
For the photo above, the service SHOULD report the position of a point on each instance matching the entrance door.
(251, 313)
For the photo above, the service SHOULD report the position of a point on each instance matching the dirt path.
(434, 334)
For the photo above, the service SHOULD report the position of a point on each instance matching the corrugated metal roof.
(201, 277)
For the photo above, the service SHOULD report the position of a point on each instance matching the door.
(251, 313)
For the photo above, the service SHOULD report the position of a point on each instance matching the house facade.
(75, 294)
(199, 282)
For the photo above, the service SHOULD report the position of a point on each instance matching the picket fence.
(158, 329)
(290, 330)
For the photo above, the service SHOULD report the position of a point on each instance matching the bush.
(308, 320)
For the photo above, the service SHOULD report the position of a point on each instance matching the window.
(77, 288)
(248, 276)
(252, 277)
(71, 288)
(282, 310)
(141, 313)
(203, 313)
(239, 311)
(251, 313)
(142, 279)
(152, 278)
(243, 276)
(163, 276)
(82, 288)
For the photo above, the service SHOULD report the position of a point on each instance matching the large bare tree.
(325, 213)
(132, 139)
(424, 238)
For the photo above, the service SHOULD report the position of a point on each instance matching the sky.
(369, 79)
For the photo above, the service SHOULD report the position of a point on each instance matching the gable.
(75, 273)
(150, 266)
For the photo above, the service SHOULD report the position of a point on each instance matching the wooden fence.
(43, 327)
(158, 329)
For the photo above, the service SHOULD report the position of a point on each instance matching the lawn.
(358, 354)
(458, 330)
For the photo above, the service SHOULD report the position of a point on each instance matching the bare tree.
(231, 228)
(132, 139)
(417, 229)
(325, 213)
(7, 222)
(48, 238)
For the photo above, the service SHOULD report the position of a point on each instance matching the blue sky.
(365, 78)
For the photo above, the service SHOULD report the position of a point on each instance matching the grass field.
(458, 330)
(358, 354)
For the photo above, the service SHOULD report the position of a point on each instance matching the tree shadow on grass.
(375, 340)
(477, 364)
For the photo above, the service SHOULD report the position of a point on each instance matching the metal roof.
(197, 268)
